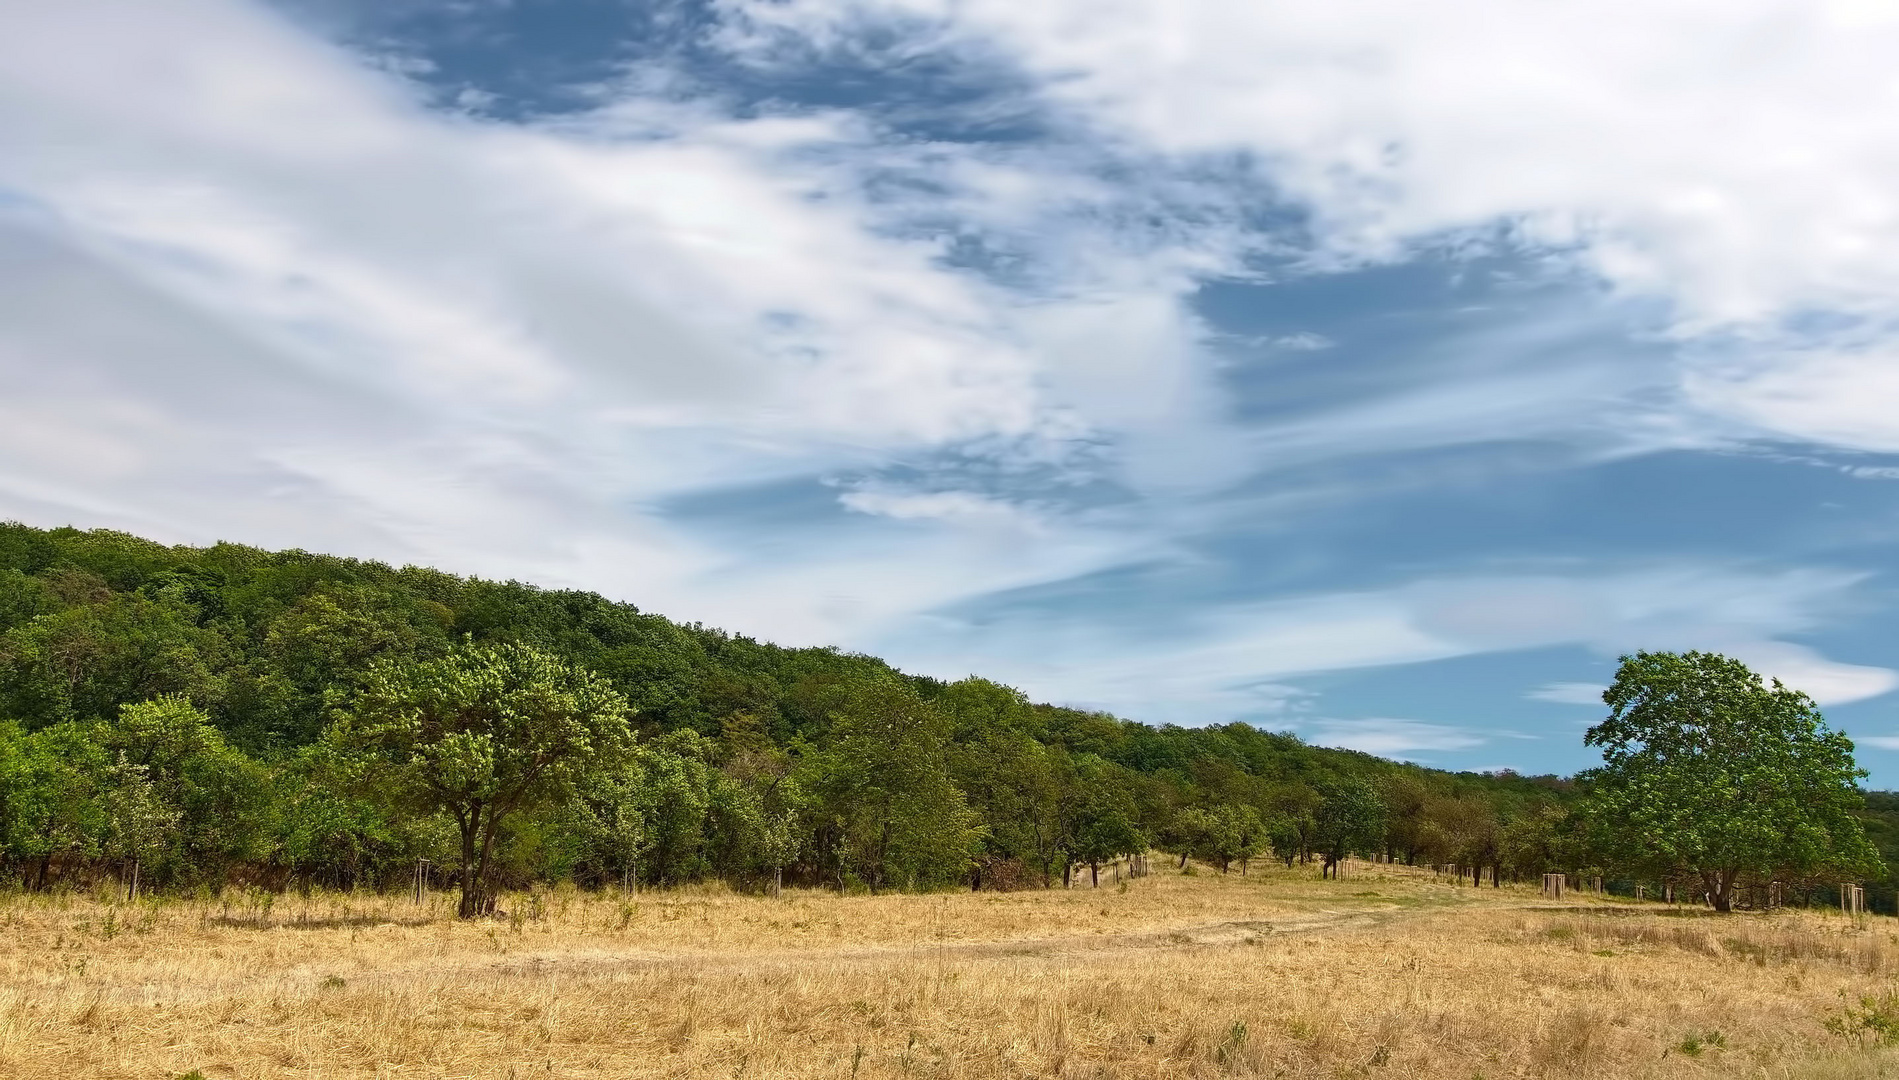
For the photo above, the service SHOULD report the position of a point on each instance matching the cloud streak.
(1568, 693)
(1219, 662)
(1388, 737)
(1734, 162)
(254, 285)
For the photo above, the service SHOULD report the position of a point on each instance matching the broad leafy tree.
(482, 733)
(1350, 817)
(1021, 788)
(50, 805)
(883, 790)
(1221, 835)
(1100, 819)
(181, 797)
(1711, 775)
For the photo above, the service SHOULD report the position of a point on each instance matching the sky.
(1375, 371)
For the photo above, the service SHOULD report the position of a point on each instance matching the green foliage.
(1350, 818)
(336, 829)
(51, 798)
(1696, 1045)
(1232, 1043)
(481, 733)
(178, 798)
(730, 757)
(1872, 1019)
(1021, 788)
(83, 662)
(1711, 775)
(1102, 822)
(882, 791)
(1222, 835)
(22, 597)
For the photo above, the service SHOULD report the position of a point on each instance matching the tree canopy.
(1712, 775)
(481, 733)
(226, 715)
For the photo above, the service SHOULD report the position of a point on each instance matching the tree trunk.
(484, 896)
(483, 827)
(470, 824)
(1724, 900)
(1720, 889)
(1094, 875)
(1045, 852)
(883, 849)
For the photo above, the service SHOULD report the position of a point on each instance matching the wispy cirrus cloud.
(261, 284)
(1567, 693)
(1637, 148)
(1391, 737)
(548, 323)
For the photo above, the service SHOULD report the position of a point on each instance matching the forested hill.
(270, 648)
(267, 643)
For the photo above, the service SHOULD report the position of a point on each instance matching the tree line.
(218, 716)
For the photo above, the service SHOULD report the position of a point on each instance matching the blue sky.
(1367, 371)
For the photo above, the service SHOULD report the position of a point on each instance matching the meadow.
(1391, 972)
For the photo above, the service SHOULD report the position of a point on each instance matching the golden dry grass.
(1386, 974)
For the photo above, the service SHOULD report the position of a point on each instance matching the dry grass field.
(1388, 973)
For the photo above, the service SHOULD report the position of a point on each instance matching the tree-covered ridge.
(226, 714)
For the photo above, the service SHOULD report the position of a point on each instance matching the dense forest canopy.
(227, 715)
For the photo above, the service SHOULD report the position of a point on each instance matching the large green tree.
(178, 795)
(1709, 774)
(883, 791)
(481, 733)
(49, 797)
(1350, 817)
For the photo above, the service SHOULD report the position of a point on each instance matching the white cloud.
(936, 505)
(1205, 665)
(1734, 160)
(1393, 737)
(1827, 682)
(256, 291)
(1304, 341)
(1568, 693)
(251, 289)
(1839, 396)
